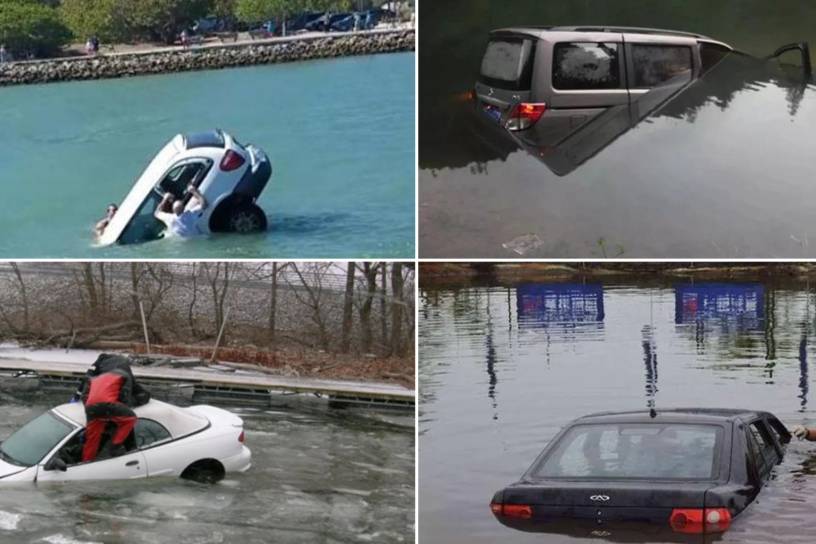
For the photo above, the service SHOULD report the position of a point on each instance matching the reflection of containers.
(744, 303)
(550, 303)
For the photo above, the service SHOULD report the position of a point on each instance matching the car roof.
(178, 421)
(541, 31)
(673, 415)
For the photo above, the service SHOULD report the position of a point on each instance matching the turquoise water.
(340, 134)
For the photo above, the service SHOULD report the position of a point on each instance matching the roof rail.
(621, 29)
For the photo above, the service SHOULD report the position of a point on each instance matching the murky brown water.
(500, 375)
(723, 170)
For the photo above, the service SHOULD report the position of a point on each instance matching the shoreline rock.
(167, 61)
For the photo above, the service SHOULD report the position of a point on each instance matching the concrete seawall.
(207, 57)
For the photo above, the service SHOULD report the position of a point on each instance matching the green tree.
(224, 9)
(31, 28)
(102, 18)
(252, 11)
(163, 19)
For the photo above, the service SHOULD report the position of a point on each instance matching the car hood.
(7, 469)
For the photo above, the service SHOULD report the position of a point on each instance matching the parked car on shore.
(683, 471)
(229, 175)
(201, 442)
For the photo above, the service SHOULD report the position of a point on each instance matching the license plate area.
(492, 112)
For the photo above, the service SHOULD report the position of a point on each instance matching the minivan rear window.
(646, 451)
(508, 63)
(579, 66)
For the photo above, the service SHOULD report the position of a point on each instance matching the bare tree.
(313, 299)
(348, 301)
(370, 272)
(218, 276)
(383, 312)
(23, 295)
(277, 269)
(397, 303)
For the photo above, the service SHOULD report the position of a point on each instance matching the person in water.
(102, 224)
(803, 433)
(180, 221)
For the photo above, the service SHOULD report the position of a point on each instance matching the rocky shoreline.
(207, 57)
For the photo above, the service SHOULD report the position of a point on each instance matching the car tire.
(247, 219)
(206, 471)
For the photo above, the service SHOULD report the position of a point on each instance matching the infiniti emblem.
(602, 498)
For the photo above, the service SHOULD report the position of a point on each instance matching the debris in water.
(524, 244)
(9, 521)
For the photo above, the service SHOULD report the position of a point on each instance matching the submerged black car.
(680, 472)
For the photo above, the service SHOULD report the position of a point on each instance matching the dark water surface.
(723, 169)
(501, 371)
(317, 476)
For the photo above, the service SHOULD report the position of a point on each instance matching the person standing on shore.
(5, 56)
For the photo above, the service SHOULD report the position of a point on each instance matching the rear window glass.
(578, 66)
(652, 450)
(654, 64)
(508, 63)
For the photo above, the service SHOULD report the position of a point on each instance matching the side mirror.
(56, 463)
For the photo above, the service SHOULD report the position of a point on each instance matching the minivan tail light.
(231, 161)
(241, 437)
(524, 115)
(700, 520)
(522, 511)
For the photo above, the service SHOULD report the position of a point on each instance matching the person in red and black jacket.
(108, 398)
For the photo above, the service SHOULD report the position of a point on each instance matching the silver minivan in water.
(545, 82)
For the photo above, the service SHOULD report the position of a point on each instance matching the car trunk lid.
(600, 502)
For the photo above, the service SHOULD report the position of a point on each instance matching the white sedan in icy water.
(201, 443)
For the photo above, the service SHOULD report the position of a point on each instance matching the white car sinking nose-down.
(198, 442)
(231, 176)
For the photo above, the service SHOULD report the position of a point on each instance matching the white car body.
(203, 155)
(194, 434)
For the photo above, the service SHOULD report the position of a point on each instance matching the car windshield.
(34, 440)
(144, 226)
(650, 450)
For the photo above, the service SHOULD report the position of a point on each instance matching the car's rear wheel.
(206, 471)
(246, 219)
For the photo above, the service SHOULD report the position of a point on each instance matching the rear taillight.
(524, 115)
(231, 161)
(522, 511)
(699, 520)
(241, 437)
